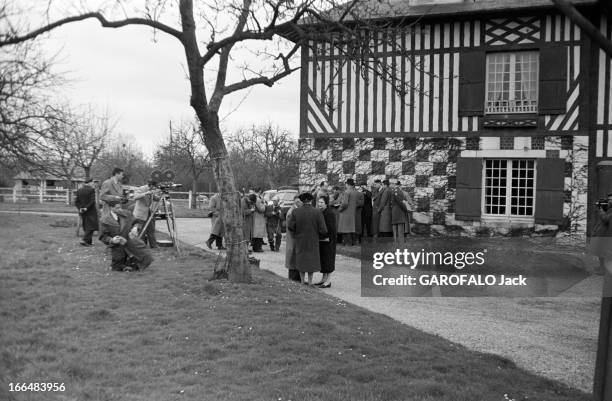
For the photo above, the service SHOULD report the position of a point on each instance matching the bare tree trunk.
(236, 266)
(87, 172)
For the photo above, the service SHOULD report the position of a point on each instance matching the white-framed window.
(509, 187)
(512, 82)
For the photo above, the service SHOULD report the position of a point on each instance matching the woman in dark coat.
(327, 245)
(307, 225)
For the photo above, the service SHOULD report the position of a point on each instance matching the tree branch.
(268, 81)
(11, 40)
(217, 96)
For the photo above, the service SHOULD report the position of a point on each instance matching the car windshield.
(286, 196)
(268, 195)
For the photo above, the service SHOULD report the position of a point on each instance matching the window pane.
(523, 80)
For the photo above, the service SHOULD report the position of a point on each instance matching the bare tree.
(212, 38)
(121, 151)
(270, 153)
(25, 83)
(185, 154)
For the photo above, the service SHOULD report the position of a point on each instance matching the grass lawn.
(180, 208)
(170, 334)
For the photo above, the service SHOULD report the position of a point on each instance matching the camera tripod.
(162, 210)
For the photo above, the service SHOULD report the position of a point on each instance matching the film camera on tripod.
(162, 209)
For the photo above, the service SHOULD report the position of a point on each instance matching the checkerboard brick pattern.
(426, 167)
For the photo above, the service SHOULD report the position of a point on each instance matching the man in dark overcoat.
(600, 245)
(274, 216)
(376, 190)
(366, 213)
(88, 211)
(307, 225)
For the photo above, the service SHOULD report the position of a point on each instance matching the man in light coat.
(112, 191)
(398, 212)
(347, 225)
(144, 197)
(384, 210)
(217, 228)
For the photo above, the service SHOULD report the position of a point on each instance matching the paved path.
(553, 337)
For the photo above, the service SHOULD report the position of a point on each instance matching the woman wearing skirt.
(327, 246)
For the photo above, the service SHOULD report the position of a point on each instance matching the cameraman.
(144, 197)
(600, 243)
(119, 232)
(112, 191)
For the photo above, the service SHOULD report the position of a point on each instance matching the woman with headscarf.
(307, 226)
(327, 245)
(294, 274)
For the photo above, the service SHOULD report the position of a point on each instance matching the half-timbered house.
(493, 116)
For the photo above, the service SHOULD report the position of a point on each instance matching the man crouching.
(120, 233)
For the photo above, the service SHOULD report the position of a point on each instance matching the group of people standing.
(383, 211)
(120, 227)
(261, 220)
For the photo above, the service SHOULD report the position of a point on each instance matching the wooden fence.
(44, 195)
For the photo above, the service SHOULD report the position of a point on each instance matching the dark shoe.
(319, 283)
(221, 248)
(325, 285)
(85, 243)
(258, 250)
(272, 248)
(209, 243)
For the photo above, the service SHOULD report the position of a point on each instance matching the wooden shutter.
(472, 74)
(469, 188)
(553, 80)
(550, 179)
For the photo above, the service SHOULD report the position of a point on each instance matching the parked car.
(269, 194)
(286, 195)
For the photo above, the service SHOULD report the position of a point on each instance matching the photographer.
(120, 233)
(600, 243)
(144, 197)
(112, 191)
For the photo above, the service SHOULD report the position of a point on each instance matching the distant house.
(506, 113)
(27, 180)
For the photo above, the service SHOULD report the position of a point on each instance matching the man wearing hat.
(347, 224)
(384, 210)
(307, 225)
(86, 204)
(376, 191)
(398, 212)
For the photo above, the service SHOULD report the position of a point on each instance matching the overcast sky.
(144, 85)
